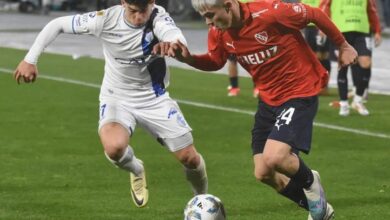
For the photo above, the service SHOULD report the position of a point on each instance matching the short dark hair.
(139, 3)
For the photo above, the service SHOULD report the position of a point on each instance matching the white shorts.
(160, 116)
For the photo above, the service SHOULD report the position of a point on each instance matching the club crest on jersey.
(262, 37)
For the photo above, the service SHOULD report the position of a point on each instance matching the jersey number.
(102, 108)
(287, 115)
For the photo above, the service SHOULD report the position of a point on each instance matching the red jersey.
(271, 48)
(372, 13)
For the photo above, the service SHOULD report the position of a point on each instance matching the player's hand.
(161, 48)
(26, 71)
(347, 55)
(377, 39)
(180, 52)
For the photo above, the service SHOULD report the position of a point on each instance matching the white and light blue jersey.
(130, 69)
(127, 49)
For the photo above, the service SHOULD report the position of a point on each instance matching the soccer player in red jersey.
(266, 39)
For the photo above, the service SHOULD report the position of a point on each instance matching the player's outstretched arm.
(176, 50)
(48, 34)
(26, 71)
(180, 52)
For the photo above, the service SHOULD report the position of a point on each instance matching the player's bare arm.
(176, 50)
(180, 52)
(26, 71)
(161, 48)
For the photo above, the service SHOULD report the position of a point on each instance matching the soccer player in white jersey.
(134, 86)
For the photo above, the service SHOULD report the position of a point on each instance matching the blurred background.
(179, 9)
(21, 21)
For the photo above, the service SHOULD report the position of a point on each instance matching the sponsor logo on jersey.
(132, 61)
(262, 37)
(259, 57)
(115, 35)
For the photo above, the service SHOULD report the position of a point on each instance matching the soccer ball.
(204, 207)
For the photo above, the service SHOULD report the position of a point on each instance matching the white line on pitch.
(216, 107)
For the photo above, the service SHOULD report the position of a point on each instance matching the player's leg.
(280, 182)
(278, 156)
(233, 88)
(342, 83)
(264, 124)
(115, 139)
(292, 133)
(194, 165)
(165, 121)
(115, 127)
(362, 71)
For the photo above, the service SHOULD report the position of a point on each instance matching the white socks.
(128, 162)
(358, 99)
(198, 177)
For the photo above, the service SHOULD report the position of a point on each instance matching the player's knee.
(365, 62)
(261, 176)
(273, 160)
(189, 158)
(114, 149)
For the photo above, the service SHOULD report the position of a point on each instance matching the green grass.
(52, 164)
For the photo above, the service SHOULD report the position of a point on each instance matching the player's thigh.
(262, 127)
(275, 152)
(363, 43)
(114, 138)
(261, 170)
(294, 123)
(116, 123)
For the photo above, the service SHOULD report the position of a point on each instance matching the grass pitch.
(52, 164)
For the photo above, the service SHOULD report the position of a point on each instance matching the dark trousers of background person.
(163, 3)
(360, 75)
(386, 11)
(101, 4)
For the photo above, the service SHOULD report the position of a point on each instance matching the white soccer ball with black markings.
(204, 207)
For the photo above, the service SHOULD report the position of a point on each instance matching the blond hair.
(203, 5)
